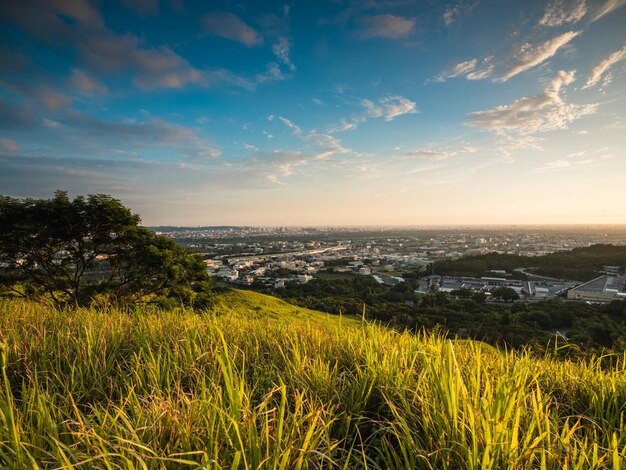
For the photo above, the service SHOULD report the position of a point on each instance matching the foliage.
(261, 384)
(580, 264)
(90, 248)
(505, 293)
(467, 314)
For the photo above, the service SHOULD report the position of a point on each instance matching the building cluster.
(606, 288)
(273, 256)
(301, 266)
(428, 244)
(538, 290)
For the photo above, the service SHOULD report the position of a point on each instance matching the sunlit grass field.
(258, 383)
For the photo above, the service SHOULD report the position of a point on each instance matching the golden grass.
(259, 383)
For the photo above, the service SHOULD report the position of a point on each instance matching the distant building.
(605, 288)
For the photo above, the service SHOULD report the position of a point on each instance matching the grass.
(259, 383)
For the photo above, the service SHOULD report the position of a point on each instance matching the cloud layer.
(230, 26)
(389, 107)
(529, 56)
(560, 12)
(544, 112)
(603, 68)
(385, 26)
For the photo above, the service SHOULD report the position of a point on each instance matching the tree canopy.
(91, 248)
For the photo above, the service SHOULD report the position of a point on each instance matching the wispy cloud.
(604, 66)
(328, 144)
(544, 112)
(460, 69)
(230, 26)
(151, 67)
(101, 52)
(525, 57)
(529, 56)
(343, 126)
(553, 165)
(385, 26)
(470, 69)
(295, 128)
(560, 12)
(389, 107)
(441, 154)
(281, 50)
(453, 12)
(607, 7)
(99, 48)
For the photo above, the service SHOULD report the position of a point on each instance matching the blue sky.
(319, 113)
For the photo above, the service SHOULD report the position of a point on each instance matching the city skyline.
(333, 113)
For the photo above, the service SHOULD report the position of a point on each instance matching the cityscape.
(269, 257)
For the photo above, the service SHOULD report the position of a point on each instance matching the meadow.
(259, 383)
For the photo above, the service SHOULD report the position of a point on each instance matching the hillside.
(580, 264)
(257, 382)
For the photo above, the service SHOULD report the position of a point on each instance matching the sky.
(332, 112)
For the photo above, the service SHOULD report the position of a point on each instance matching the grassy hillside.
(260, 383)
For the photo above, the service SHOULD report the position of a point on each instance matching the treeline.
(580, 264)
(92, 251)
(588, 327)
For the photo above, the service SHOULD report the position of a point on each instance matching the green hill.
(259, 383)
(580, 264)
(252, 304)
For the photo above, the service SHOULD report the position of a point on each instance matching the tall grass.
(282, 388)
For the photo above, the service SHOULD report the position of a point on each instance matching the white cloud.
(561, 79)
(559, 12)
(389, 107)
(462, 68)
(469, 69)
(604, 66)
(440, 154)
(452, 13)
(526, 57)
(554, 165)
(281, 50)
(296, 129)
(342, 127)
(230, 26)
(607, 7)
(534, 114)
(485, 72)
(385, 26)
(529, 56)
(329, 144)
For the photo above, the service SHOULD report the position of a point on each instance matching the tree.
(505, 293)
(88, 248)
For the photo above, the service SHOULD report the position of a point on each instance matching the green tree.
(505, 293)
(90, 248)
